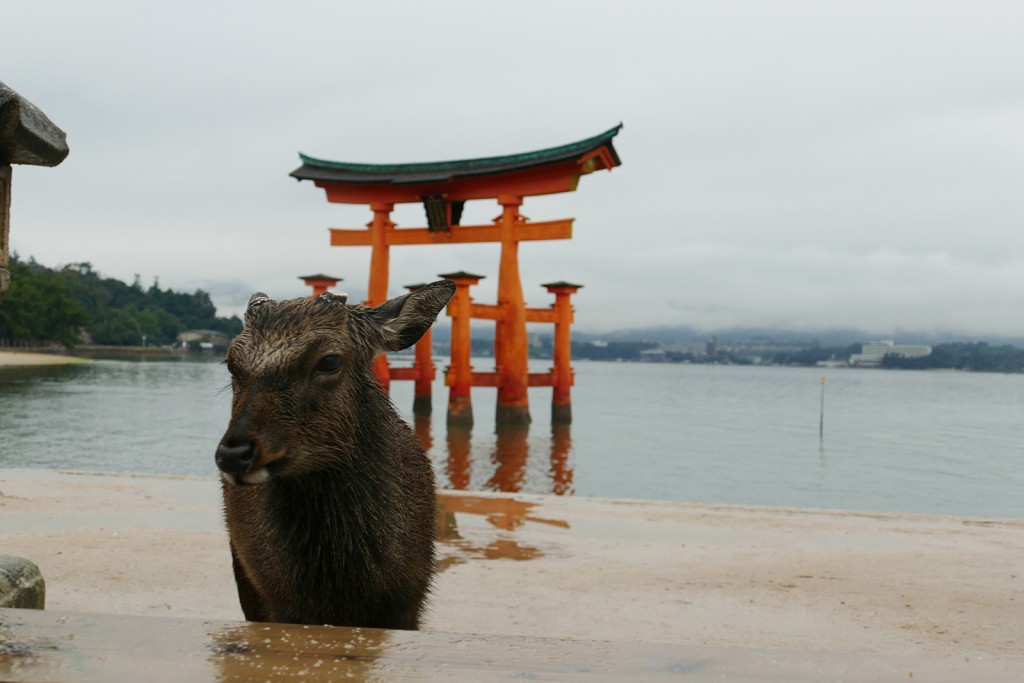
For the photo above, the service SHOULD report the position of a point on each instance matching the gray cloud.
(805, 164)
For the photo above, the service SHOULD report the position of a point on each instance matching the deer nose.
(236, 459)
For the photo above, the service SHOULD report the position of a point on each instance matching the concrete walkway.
(589, 569)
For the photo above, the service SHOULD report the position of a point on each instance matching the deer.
(329, 500)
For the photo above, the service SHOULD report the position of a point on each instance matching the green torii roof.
(433, 171)
(461, 274)
(562, 284)
(321, 276)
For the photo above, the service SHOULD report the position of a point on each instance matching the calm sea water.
(932, 442)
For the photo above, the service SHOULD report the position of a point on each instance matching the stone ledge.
(21, 583)
(27, 136)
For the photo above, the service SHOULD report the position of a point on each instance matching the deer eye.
(233, 368)
(327, 365)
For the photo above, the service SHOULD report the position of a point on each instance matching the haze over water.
(926, 442)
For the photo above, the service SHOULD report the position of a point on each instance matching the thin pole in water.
(821, 420)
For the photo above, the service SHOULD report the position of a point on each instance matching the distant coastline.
(21, 358)
(952, 356)
(58, 355)
(962, 356)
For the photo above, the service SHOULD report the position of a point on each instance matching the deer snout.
(235, 459)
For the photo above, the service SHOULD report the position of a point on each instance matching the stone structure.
(27, 136)
(21, 584)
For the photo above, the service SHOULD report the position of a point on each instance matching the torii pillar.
(377, 291)
(561, 400)
(460, 372)
(423, 371)
(511, 352)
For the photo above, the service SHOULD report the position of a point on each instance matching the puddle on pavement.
(484, 527)
(268, 652)
(38, 645)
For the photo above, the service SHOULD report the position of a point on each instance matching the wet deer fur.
(329, 498)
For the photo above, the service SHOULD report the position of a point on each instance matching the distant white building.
(871, 355)
(653, 355)
(207, 339)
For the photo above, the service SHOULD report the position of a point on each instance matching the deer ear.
(403, 320)
(255, 302)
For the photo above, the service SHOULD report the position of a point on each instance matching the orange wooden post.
(377, 290)
(511, 354)
(460, 373)
(320, 283)
(423, 369)
(561, 399)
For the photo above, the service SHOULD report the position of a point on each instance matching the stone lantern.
(27, 136)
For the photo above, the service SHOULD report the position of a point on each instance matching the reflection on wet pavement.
(488, 526)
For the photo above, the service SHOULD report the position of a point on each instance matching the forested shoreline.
(75, 304)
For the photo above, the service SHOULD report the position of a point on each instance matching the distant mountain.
(735, 335)
(686, 336)
(682, 335)
(831, 337)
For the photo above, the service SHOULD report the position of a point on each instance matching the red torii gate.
(443, 188)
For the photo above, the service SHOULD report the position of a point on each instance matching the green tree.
(48, 304)
(40, 306)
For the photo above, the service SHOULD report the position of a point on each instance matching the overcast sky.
(799, 164)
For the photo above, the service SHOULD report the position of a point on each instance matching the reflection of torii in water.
(511, 451)
(443, 188)
(510, 457)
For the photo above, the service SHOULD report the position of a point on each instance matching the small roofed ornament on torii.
(443, 188)
(320, 283)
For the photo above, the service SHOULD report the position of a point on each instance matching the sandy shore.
(701, 575)
(18, 358)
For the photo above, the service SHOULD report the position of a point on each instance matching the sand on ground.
(689, 574)
(24, 358)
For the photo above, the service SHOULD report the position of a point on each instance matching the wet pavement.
(71, 647)
(717, 583)
(45, 646)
